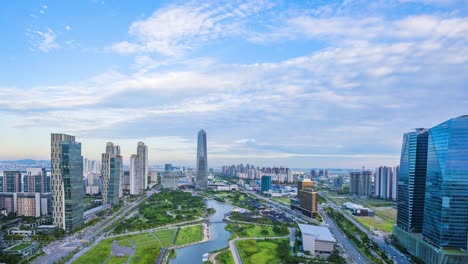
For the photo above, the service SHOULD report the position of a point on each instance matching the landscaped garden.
(189, 234)
(263, 251)
(225, 257)
(163, 208)
(245, 230)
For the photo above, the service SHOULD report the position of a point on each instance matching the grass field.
(375, 223)
(385, 211)
(255, 230)
(189, 234)
(166, 236)
(225, 257)
(146, 251)
(118, 260)
(259, 251)
(283, 200)
(97, 254)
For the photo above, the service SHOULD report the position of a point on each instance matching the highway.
(61, 248)
(393, 253)
(352, 253)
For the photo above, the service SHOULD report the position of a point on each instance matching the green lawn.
(21, 246)
(260, 251)
(147, 250)
(244, 230)
(165, 236)
(118, 260)
(284, 200)
(189, 234)
(97, 254)
(225, 257)
(125, 242)
(375, 223)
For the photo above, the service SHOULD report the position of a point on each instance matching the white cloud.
(43, 40)
(68, 28)
(172, 30)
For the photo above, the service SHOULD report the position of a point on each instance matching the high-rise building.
(67, 174)
(202, 161)
(385, 183)
(306, 200)
(266, 183)
(111, 174)
(361, 183)
(446, 200)
(167, 167)
(434, 162)
(142, 152)
(412, 180)
(36, 180)
(139, 169)
(134, 176)
(12, 181)
(126, 182)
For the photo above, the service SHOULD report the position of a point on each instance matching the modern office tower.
(67, 173)
(167, 167)
(266, 183)
(36, 180)
(412, 180)
(111, 174)
(12, 181)
(306, 200)
(385, 183)
(442, 210)
(134, 177)
(337, 184)
(446, 199)
(396, 173)
(202, 161)
(142, 152)
(313, 173)
(360, 183)
(126, 182)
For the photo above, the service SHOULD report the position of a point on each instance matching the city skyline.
(322, 84)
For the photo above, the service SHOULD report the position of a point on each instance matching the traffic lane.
(349, 248)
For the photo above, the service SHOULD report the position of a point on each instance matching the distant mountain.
(26, 161)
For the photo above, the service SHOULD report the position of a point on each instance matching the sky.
(293, 83)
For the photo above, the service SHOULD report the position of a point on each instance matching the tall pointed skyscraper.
(202, 161)
(67, 183)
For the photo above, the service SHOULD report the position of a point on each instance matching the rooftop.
(321, 233)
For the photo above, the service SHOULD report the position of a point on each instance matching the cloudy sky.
(300, 84)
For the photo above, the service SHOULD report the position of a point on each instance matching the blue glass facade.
(266, 183)
(412, 181)
(71, 168)
(114, 180)
(202, 161)
(446, 194)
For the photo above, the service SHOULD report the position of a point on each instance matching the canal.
(219, 236)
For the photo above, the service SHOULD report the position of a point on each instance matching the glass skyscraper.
(412, 180)
(432, 220)
(266, 183)
(202, 161)
(446, 200)
(111, 174)
(67, 174)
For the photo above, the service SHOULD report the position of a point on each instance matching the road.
(397, 256)
(352, 252)
(61, 248)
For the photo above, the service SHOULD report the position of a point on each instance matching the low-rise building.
(318, 240)
(23, 250)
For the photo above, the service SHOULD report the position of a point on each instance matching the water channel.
(219, 236)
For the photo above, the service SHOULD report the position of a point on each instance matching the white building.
(317, 240)
(134, 177)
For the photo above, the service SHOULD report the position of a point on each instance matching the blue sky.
(293, 83)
